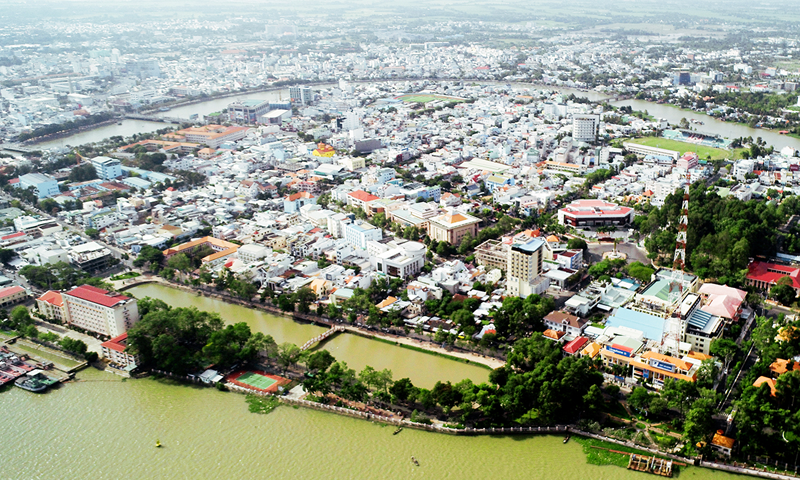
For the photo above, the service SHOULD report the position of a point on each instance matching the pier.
(319, 338)
(656, 466)
(15, 147)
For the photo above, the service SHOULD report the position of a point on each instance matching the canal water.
(127, 129)
(103, 427)
(423, 369)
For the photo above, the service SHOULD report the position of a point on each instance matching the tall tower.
(679, 260)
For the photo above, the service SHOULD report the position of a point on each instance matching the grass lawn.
(683, 147)
(616, 409)
(125, 276)
(595, 456)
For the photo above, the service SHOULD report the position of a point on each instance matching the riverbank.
(32, 142)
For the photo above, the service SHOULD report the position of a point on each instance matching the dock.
(654, 465)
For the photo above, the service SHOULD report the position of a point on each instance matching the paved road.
(596, 251)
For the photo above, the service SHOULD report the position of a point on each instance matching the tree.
(303, 299)
(577, 244)
(724, 348)
(783, 291)
(147, 305)
(377, 379)
(6, 255)
(593, 400)
(180, 262)
(320, 360)
(288, 355)
(402, 389)
(639, 398)
(20, 318)
(92, 232)
(707, 373)
(149, 256)
(225, 346)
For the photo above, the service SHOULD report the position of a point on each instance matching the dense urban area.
(602, 215)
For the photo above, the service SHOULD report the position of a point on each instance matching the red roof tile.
(97, 295)
(10, 291)
(117, 343)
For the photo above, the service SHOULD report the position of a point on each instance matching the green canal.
(103, 427)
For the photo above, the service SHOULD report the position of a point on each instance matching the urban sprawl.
(510, 204)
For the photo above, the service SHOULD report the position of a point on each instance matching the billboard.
(662, 365)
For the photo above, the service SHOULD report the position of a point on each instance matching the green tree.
(92, 232)
(402, 389)
(724, 348)
(149, 256)
(320, 360)
(288, 355)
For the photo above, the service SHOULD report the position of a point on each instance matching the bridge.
(153, 118)
(321, 337)
(16, 147)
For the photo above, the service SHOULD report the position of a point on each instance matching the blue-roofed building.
(650, 325)
(495, 181)
(136, 182)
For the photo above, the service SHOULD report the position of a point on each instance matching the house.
(575, 346)
(114, 351)
(293, 202)
(722, 444)
(12, 296)
(564, 322)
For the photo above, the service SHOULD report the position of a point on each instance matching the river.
(423, 369)
(711, 124)
(102, 427)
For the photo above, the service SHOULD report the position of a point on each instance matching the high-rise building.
(584, 128)
(524, 265)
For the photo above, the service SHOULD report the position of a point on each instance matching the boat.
(566, 439)
(399, 429)
(163, 109)
(158, 443)
(414, 461)
(119, 123)
(35, 381)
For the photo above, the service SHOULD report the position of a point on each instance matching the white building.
(107, 168)
(252, 252)
(584, 128)
(100, 311)
(357, 234)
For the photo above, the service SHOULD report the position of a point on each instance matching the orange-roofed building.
(388, 301)
(114, 351)
(781, 366)
(762, 380)
(222, 250)
(722, 444)
(51, 305)
(452, 227)
(12, 295)
(553, 335)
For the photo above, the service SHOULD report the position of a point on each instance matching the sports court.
(257, 380)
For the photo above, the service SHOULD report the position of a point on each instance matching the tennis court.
(255, 380)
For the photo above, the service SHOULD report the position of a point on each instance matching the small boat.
(119, 123)
(399, 429)
(158, 443)
(414, 460)
(566, 439)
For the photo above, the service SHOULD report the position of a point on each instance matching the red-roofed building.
(581, 213)
(114, 350)
(51, 305)
(100, 311)
(575, 345)
(764, 275)
(12, 295)
(360, 199)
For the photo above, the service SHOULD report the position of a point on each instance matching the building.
(211, 135)
(359, 233)
(585, 127)
(275, 117)
(656, 368)
(523, 266)
(252, 252)
(51, 305)
(564, 322)
(492, 254)
(43, 185)
(402, 262)
(107, 168)
(292, 203)
(688, 160)
(360, 199)
(114, 351)
(452, 227)
(90, 256)
(722, 444)
(590, 213)
(222, 250)
(301, 94)
(644, 150)
(763, 275)
(100, 311)
(571, 259)
(247, 111)
(12, 296)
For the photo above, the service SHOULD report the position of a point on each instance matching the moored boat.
(35, 381)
